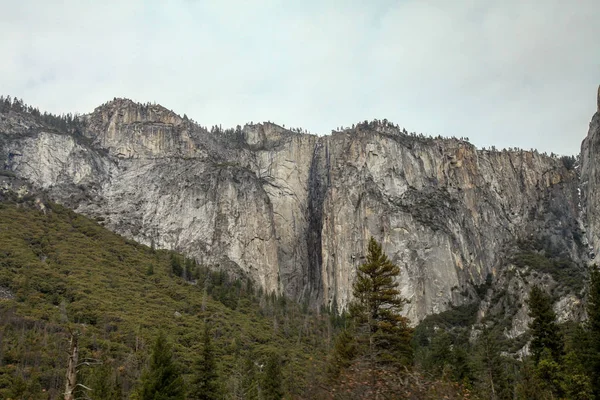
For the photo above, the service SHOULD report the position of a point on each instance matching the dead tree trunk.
(72, 368)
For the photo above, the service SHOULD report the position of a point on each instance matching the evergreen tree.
(439, 354)
(176, 266)
(544, 328)
(492, 376)
(271, 387)
(376, 309)
(102, 380)
(344, 352)
(548, 372)
(249, 380)
(204, 384)
(593, 325)
(462, 368)
(162, 380)
(530, 387)
(574, 382)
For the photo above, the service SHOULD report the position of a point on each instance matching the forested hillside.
(138, 312)
(61, 273)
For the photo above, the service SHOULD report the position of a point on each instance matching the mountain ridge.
(294, 210)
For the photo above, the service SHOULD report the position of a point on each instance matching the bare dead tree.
(71, 382)
(73, 365)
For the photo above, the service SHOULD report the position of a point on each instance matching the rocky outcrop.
(447, 213)
(590, 184)
(295, 211)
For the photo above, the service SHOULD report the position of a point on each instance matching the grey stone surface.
(295, 211)
(590, 181)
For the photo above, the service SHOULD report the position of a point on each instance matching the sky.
(512, 73)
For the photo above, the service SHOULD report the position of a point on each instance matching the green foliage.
(593, 328)
(544, 328)
(456, 317)
(176, 267)
(272, 388)
(492, 369)
(552, 379)
(574, 382)
(344, 352)
(205, 384)
(568, 162)
(376, 309)
(446, 350)
(59, 266)
(162, 379)
(529, 386)
(439, 357)
(250, 381)
(367, 359)
(564, 271)
(102, 380)
(442, 346)
(65, 122)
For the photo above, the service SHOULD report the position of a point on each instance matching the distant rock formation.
(295, 211)
(598, 100)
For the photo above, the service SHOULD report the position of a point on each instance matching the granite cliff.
(590, 182)
(294, 211)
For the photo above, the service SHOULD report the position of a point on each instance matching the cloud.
(513, 73)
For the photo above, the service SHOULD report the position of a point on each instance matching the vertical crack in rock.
(317, 187)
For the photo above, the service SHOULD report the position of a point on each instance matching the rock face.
(590, 184)
(447, 213)
(295, 211)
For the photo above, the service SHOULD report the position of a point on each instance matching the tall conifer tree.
(162, 380)
(272, 382)
(544, 328)
(593, 325)
(377, 307)
(205, 385)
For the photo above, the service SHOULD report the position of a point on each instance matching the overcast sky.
(509, 73)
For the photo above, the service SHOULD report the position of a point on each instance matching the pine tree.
(544, 328)
(593, 327)
(103, 382)
(176, 266)
(376, 309)
(344, 352)
(490, 365)
(574, 382)
(204, 384)
(530, 386)
(271, 387)
(249, 380)
(439, 355)
(548, 372)
(162, 380)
